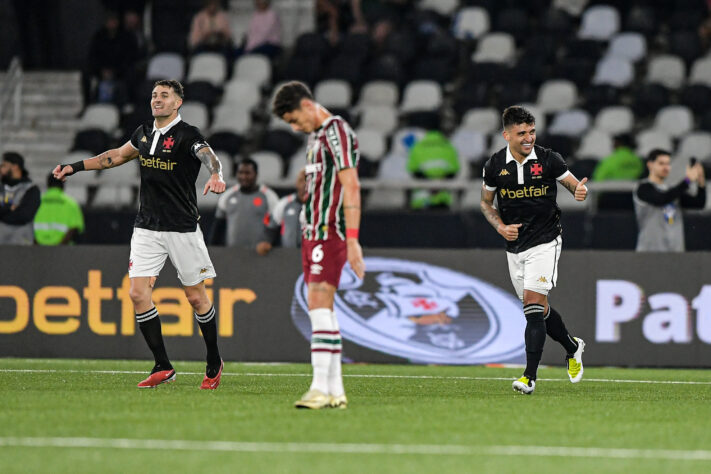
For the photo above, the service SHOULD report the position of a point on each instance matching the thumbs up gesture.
(581, 191)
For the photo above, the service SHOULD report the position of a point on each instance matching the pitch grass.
(442, 411)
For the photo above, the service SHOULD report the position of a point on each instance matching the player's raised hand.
(581, 191)
(509, 232)
(62, 172)
(215, 184)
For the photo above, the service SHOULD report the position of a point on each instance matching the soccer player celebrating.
(523, 176)
(170, 153)
(330, 223)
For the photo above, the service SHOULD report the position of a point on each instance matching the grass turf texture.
(400, 419)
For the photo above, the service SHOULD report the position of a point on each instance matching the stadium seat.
(379, 93)
(386, 199)
(701, 72)
(231, 142)
(281, 141)
(387, 67)
(697, 97)
(614, 71)
(642, 19)
(84, 179)
(582, 168)
(597, 97)
(127, 174)
(208, 67)
(557, 94)
(379, 117)
(566, 201)
(471, 198)
(495, 47)
(649, 98)
(497, 143)
(441, 7)
(203, 92)
(676, 120)
(541, 122)
(333, 93)
(371, 144)
(421, 96)
(166, 66)
(648, 140)
(393, 168)
(695, 144)
(196, 114)
(242, 93)
(79, 192)
(471, 23)
(599, 22)
(615, 120)
(628, 45)
(254, 68)
(296, 163)
(484, 120)
(231, 118)
(572, 123)
(563, 144)
(595, 144)
(102, 116)
(94, 140)
(666, 70)
(470, 144)
(270, 164)
(114, 196)
(405, 138)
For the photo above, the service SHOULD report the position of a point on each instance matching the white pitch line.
(356, 448)
(369, 376)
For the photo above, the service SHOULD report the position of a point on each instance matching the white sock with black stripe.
(322, 346)
(335, 377)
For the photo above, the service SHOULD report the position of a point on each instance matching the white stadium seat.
(421, 96)
(101, 116)
(676, 120)
(209, 67)
(166, 66)
(599, 22)
(615, 119)
(254, 68)
(667, 70)
(379, 93)
(557, 94)
(471, 23)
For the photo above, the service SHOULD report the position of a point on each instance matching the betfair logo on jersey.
(504, 173)
(158, 163)
(529, 192)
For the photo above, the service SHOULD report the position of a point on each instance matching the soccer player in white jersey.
(170, 153)
(331, 219)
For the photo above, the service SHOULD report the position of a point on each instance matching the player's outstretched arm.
(216, 183)
(508, 232)
(108, 159)
(351, 209)
(576, 188)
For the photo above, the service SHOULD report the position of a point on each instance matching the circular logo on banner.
(424, 313)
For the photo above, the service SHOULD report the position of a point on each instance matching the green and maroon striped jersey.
(331, 148)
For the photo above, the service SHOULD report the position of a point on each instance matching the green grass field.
(88, 416)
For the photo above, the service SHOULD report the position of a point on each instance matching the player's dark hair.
(288, 97)
(656, 153)
(53, 182)
(516, 115)
(249, 161)
(173, 84)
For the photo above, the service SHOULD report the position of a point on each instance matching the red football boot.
(212, 383)
(157, 378)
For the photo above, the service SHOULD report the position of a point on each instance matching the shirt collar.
(510, 158)
(165, 129)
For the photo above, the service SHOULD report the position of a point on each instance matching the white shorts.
(187, 252)
(535, 269)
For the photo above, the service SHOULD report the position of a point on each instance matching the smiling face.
(521, 138)
(165, 103)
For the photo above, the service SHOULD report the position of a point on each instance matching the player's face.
(164, 101)
(246, 176)
(521, 138)
(302, 119)
(660, 167)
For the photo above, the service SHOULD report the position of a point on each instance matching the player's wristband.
(76, 167)
(352, 234)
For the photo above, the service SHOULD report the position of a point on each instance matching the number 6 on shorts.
(317, 253)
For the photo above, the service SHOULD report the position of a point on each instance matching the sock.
(150, 328)
(322, 346)
(335, 377)
(535, 337)
(557, 331)
(208, 326)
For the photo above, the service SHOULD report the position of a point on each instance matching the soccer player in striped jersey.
(330, 223)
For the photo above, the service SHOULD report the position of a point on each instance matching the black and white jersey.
(526, 194)
(169, 170)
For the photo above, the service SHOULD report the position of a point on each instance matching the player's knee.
(195, 298)
(139, 295)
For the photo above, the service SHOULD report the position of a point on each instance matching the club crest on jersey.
(536, 171)
(168, 143)
(422, 312)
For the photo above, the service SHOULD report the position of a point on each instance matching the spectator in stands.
(210, 30)
(59, 218)
(433, 157)
(658, 206)
(335, 16)
(623, 163)
(239, 218)
(264, 33)
(283, 223)
(20, 199)
(110, 90)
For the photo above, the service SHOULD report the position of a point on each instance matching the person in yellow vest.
(59, 218)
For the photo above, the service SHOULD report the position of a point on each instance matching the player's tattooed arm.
(210, 160)
(508, 232)
(569, 185)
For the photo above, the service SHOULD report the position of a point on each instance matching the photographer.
(19, 201)
(658, 206)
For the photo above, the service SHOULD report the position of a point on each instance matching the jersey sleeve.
(489, 175)
(342, 145)
(136, 137)
(195, 142)
(276, 214)
(558, 166)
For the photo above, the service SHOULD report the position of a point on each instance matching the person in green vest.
(59, 218)
(433, 157)
(622, 164)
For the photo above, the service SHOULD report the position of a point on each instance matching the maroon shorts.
(323, 260)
